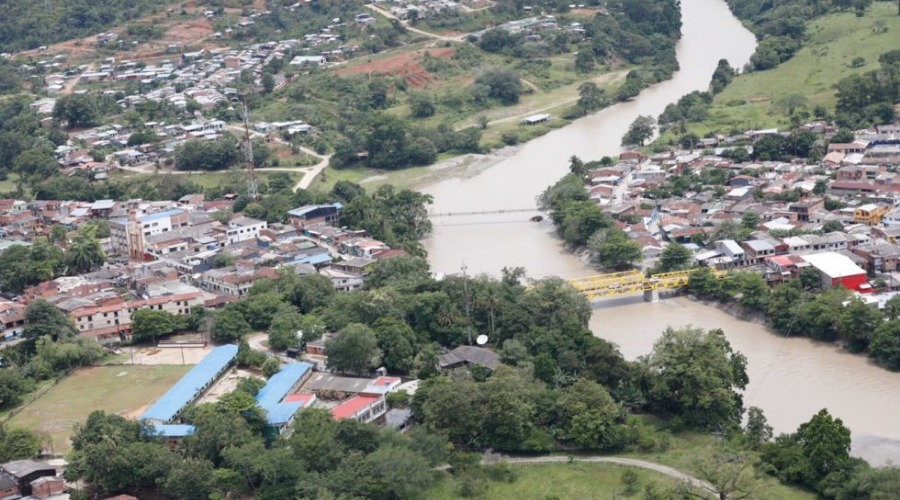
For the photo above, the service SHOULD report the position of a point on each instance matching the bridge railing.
(633, 281)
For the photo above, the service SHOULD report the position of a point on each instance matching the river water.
(790, 378)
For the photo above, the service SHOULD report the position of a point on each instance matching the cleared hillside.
(839, 45)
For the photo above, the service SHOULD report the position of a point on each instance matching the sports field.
(125, 390)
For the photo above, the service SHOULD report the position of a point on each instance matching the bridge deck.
(632, 281)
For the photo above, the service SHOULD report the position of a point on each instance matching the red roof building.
(362, 407)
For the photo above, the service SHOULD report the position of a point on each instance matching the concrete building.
(838, 270)
(129, 236)
(243, 229)
(109, 323)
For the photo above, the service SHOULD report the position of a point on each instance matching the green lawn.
(834, 41)
(569, 481)
(9, 184)
(684, 450)
(125, 390)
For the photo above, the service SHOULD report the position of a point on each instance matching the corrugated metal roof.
(189, 387)
(300, 212)
(174, 430)
(269, 397)
(282, 412)
(160, 215)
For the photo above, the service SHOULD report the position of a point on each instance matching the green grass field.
(684, 450)
(125, 390)
(570, 481)
(750, 102)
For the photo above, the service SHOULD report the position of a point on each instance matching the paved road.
(631, 462)
(309, 173)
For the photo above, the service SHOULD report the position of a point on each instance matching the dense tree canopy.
(697, 377)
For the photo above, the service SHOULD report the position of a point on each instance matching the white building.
(243, 229)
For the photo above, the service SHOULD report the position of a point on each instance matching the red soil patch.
(404, 65)
(181, 33)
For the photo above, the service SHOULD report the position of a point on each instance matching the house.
(805, 208)
(9, 487)
(128, 236)
(469, 355)
(314, 214)
(272, 397)
(785, 267)
(343, 281)
(870, 213)
(732, 251)
(109, 323)
(365, 408)
(839, 270)
(24, 472)
(307, 61)
(244, 228)
(758, 250)
(47, 486)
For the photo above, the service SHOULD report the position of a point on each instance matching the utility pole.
(468, 308)
(252, 188)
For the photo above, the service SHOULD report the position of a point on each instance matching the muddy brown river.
(790, 378)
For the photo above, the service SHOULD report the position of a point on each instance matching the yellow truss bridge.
(607, 285)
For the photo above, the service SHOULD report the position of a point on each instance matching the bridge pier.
(651, 295)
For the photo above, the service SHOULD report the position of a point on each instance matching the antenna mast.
(252, 188)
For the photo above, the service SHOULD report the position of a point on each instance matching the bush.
(270, 367)
(398, 399)
(510, 138)
(501, 473)
(538, 441)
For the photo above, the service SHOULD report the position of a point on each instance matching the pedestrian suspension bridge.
(634, 281)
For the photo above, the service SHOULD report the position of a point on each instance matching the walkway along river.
(790, 378)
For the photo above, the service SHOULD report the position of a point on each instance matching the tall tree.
(697, 376)
(354, 350)
(674, 257)
(730, 475)
(85, 252)
(640, 130)
(151, 324)
(44, 319)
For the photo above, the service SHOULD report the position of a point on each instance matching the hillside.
(27, 24)
(836, 43)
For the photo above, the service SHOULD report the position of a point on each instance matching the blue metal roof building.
(159, 215)
(279, 414)
(191, 385)
(173, 430)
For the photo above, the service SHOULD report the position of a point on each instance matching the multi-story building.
(108, 323)
(129, 236)
(243, 229)
(234, 281)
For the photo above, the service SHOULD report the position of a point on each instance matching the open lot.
(124, 390)
(162, 355)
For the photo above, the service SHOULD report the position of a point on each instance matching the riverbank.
(840, 44)
(791, 378)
